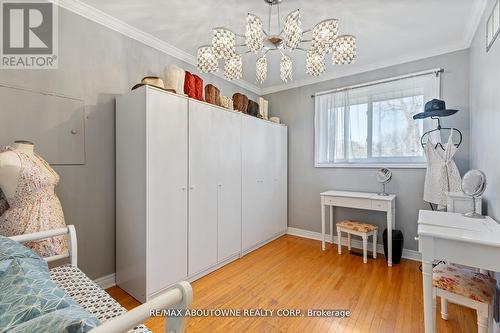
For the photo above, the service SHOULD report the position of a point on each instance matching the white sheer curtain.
(373, 124)
(329, 124)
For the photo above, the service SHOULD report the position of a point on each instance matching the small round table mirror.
(384, 176)
(473, 185)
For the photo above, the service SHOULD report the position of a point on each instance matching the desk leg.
(429, 300)
(389, 235)
(322, 224)
(331, 224)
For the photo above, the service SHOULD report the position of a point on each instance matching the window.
(493, 26)
(372, 124)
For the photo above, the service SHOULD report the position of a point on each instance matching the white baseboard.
(358, 244)
(107, 281)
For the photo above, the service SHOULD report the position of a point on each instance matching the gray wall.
(96, 64)
(296, 109)
(485, 113)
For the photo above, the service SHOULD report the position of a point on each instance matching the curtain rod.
(435, 71)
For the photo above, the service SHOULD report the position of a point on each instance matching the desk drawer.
(379, 205)
(360, 203)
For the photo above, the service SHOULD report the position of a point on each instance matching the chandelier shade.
(292, 30)
(233, 70)
(223, 43)
(290, 37)
(344, 51)
(253, 34)
(207, 61)
(315, 63)
(324, 35)
(286, 68)
(261, 69)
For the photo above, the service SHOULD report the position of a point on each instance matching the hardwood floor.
(293, 272)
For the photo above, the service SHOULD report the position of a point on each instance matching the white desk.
(360, 200)
(457, 239)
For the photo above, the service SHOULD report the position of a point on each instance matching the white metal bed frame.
(179, 297)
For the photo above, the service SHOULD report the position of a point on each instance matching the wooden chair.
(359, 229)
(466, 287)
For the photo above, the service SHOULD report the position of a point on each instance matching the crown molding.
(110, 22)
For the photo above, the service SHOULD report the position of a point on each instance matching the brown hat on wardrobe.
(153, 81)
(212, 94)
(240, 102)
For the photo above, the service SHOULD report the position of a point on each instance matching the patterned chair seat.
(357, 226)
(463, 281)
(89, 295)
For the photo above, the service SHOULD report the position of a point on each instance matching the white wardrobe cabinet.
(264, 181)
(215, 185)
(196, 186)
(151, 191)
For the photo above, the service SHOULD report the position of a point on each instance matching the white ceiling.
(388, 31)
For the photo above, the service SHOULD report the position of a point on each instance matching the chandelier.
(322, 40)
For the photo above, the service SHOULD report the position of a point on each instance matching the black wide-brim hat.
(435, 108)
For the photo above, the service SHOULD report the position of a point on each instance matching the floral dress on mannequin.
(35, 206)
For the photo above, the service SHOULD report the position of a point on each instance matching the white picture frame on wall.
(493, 26)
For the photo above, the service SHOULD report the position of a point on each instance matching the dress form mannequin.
(28, 202)
(10, 166)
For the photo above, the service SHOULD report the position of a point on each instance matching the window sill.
(374, 165)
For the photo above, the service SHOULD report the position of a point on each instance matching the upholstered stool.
(466, 287)
(359, 229)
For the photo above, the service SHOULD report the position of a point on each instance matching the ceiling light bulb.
(253, 34)
(292, 30)
(344, 51)
(224, 43)
(286, 68)
(207, 61)
(324, 35)
(233, 69)
(261, 69)
(315, 63)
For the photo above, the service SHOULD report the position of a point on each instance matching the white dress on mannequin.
(442, 174)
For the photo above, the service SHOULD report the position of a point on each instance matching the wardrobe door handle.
(184, 188)
(191, 187)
